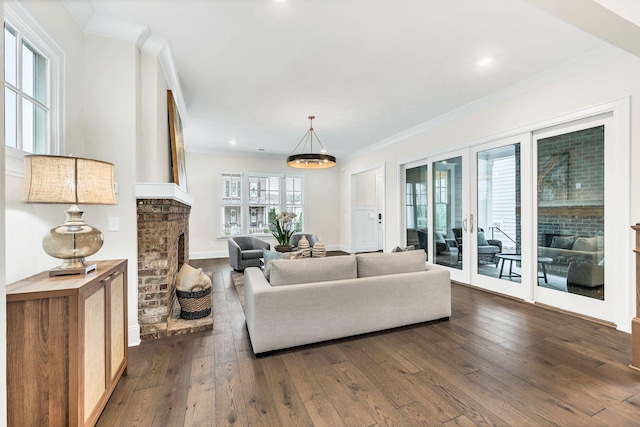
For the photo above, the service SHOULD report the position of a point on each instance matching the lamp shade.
(68, 180)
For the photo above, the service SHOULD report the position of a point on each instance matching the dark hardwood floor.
(496, 362)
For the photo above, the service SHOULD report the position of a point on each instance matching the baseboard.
(134, 335)
(208, 255)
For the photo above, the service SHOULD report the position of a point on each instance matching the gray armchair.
(245, 251)
(295, 238)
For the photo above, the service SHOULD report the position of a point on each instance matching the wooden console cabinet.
(66, 345)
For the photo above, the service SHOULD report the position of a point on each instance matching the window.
(33, 81)
(251, 211)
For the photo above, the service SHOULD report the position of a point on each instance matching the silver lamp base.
(72, 242)
(72, 266)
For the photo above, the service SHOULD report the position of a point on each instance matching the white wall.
(203, 170)
(111, 112)
(153, 149)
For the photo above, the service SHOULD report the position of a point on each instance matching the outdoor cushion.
(585, 244)
(563, 242)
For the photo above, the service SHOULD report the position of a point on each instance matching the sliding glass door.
(571, 224)
(497, 207)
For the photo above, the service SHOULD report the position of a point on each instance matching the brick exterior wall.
(163, 228)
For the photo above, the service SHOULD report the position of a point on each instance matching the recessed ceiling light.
(232, 142)
(281, 1)
(485, 61)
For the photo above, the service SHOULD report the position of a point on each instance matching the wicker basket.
(194, 305)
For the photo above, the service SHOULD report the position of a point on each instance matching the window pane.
(10, 57)
(231, 189)
(33, 73)
(231, 220)
(33, 128)
(10, 118)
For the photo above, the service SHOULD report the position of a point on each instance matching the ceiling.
(251, 71)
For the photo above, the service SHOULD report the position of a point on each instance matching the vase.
(283, 248)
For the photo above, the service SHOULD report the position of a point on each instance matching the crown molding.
(98, 23)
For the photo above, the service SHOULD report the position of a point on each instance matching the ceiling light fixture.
(485, 61)
(310, 160)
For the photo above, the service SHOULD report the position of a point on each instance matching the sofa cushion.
(379, 264)
(563, 242)
(310, 270)
(270, 256)
(585, 244)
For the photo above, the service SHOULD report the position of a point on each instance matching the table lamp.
(74, 180)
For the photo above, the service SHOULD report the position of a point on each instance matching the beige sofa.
(318, 299)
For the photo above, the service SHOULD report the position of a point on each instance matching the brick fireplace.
(163, 246)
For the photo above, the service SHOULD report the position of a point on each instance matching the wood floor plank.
(225, 348)
(498, 361)
(201, 395)
(289, 407)
(229, 399)
(389, 381)
(177, 379)
(347, 405)
(261, 411)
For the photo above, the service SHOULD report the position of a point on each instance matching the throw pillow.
(560, 242)
(585, 244)
(270, 256)
(405, 249)
(482, 241)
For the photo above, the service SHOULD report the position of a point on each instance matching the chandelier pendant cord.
(308, 137)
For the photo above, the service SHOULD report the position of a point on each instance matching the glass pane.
(258, 220)
(499, 233)
(10, 118)
(416, 207)
(447, 212)
(10, 57)
(571, 212)
(33, 128)
(231, 189)
(33, 73)
(231, 220)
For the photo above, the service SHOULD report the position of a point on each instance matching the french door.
(500, 245)
(450, 219)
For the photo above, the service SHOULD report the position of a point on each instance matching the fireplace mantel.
(159, 190)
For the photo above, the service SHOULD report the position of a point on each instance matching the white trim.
(134, 335)
(19, 17)
(145, 190)
(570, 68)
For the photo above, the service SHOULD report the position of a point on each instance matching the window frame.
(245, 205)
(18, 17)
